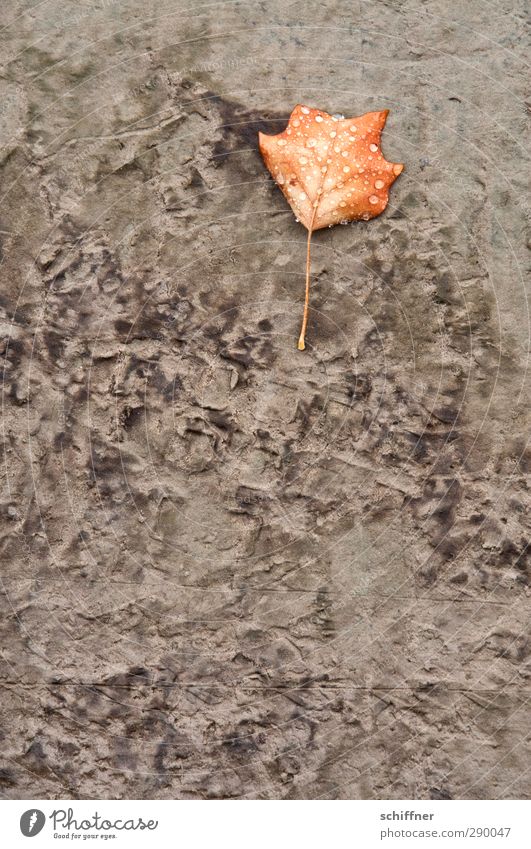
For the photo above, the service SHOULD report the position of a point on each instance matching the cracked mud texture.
(231, 569)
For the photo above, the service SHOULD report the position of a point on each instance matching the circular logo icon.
(31, 822)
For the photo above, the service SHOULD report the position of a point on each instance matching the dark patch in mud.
(241, 126)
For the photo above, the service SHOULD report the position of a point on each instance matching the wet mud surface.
(232, 570)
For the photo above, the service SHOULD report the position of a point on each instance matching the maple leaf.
(330, 170)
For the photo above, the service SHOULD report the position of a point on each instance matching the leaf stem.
(301, 346)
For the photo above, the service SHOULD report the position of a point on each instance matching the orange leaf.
(330, 170)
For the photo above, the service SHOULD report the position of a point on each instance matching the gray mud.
(231, 569)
